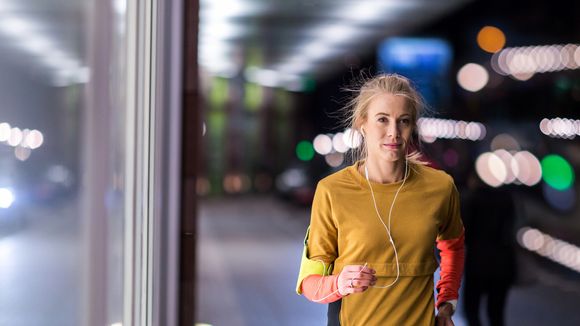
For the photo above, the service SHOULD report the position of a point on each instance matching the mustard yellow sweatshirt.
(345, 230)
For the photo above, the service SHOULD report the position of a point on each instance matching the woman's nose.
(393, 130)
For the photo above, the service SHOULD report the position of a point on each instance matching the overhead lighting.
(120, 7)
(273, 78)
(295, 66)
(16, 26)
(28, 36)
(227, 9)
(335, 34)
(36, 44)
(368, 11)
(221, 29)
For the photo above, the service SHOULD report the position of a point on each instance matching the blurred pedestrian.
(490, 268)
(369, 251)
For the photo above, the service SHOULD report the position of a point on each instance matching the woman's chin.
(391, 156)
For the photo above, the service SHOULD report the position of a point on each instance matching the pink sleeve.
(321, 289)
(452, 259)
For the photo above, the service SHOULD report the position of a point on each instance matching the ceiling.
(278, 42)
(46, 37)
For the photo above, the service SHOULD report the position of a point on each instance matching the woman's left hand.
(444, 315)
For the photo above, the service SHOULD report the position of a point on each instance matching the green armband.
(310, 267)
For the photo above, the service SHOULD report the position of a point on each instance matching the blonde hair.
(356, 109)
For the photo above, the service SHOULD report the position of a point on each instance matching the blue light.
(426, 61)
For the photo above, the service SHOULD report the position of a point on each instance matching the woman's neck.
(384, 172)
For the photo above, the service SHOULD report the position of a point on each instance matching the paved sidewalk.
(248, 259)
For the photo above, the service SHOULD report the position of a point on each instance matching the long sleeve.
(451, 243)
(320, 246)
(452, 260)
(321, 289)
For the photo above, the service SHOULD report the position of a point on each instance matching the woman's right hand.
(355, 279)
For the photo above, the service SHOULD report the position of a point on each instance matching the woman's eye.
(405, 121)
(382, 120)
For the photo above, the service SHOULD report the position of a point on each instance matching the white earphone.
(388, 229)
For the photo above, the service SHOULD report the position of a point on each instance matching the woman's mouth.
(392, 146)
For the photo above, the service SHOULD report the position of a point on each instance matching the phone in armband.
(309, 266)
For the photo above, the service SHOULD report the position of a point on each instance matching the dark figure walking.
(490, 268)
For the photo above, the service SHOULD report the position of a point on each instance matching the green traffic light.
(557, 172)
(305, 150)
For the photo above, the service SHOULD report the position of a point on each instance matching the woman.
(374, 224)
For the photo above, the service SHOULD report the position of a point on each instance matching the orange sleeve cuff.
(321, 289)
(452, 260)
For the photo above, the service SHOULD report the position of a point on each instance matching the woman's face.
(388, 127)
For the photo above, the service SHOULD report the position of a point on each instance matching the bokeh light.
(334, 159)
(557, 250)
(529, 170)
(560, 128)
(22, 153)
(491, 39)
(523, 62)
(562, 200)
(557, 172)
(4, 131)
(305, 150)
(472, 77)
(291, 178)
(236, 183)
(503, 167)
(6, 198)
(505, 141)
(322, 144)
(338, 143)
(430, 129)
(510, 165)
(15, 137)
(490, 169)
(202, 186)
(352, 138)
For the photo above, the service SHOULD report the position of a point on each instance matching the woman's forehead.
(389, 104)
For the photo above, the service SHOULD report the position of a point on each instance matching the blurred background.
(158, 159)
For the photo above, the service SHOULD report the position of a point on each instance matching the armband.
(309, 266)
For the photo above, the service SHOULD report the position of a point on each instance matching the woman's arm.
(452, 259)
(322, 289)
(326, 289)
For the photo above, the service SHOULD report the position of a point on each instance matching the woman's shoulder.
(433, 176)
(340, 177)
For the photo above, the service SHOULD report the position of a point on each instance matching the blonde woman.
(369, 251)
